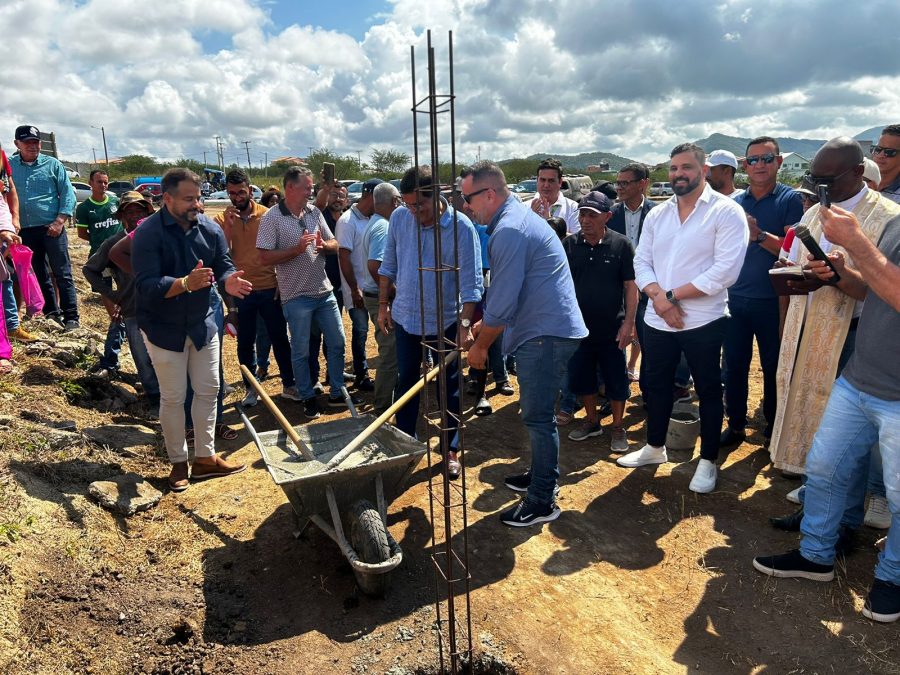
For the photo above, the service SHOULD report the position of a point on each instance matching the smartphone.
(328, 173)
(813, 246)
(822, 191)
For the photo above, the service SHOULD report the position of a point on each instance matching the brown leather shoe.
(453, 466)
(22, 335)
(178, 477)
(214, 467)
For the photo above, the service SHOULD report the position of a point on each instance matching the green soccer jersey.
(99, 218)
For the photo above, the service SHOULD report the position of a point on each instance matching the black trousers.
(661, 353)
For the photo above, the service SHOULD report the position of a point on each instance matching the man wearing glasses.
(752, 302)
(533, 303)
(410, 246)
(885, 155)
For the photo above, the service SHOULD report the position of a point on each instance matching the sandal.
(6, 366)
(563, 418)
(634, 375)
(225, 432)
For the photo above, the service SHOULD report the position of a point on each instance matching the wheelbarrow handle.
(270, 404)
(386, 415)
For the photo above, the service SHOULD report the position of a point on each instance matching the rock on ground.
(126, 494)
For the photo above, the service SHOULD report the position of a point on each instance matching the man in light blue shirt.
(532, 302)
(46, 201)
(410, 245)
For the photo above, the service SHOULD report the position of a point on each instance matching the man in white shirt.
(352, 258)
(690, 251)
(722, 167)
(549, 202)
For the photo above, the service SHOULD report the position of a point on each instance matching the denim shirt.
(44, 190)
(401, 265)
(532, 293)
(162, 253)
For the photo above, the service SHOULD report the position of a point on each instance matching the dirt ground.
(638, 575)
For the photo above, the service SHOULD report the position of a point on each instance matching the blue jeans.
(263, 305)
(542, 364)
(263, 346)
(141, 357)
(409, 370)
(10, 309)
(55, 251)
(359, 319)
(750, 317)
(315, 339)
(115, 336)
(852, 423)
(300, 313)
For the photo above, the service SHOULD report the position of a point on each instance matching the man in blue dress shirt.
(177, 255)
(532, 302)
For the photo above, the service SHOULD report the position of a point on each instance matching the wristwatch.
(761, 237)
(465, 323)
(670, 296)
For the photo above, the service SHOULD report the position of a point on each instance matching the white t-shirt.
(351, 226)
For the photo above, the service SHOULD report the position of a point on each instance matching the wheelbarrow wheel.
(369, 538)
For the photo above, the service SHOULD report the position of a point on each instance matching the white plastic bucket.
(684, 427)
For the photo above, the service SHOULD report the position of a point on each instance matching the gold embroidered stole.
(814, 335)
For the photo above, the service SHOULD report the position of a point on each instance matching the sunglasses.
(768, 158)
(810, 181)
(467, 198)
(881, 150)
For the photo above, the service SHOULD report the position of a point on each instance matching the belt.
(370, 294)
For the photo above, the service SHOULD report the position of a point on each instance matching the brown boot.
(178, 477)
(22, 335)
(213, 467)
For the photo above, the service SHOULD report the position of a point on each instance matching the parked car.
(223, 194)
(526, 189)
(354, 191)
(152, 191)
(82, 191)
(661, 190)
(576, 187)
(120, 187)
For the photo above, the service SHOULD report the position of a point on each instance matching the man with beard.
(177, 255)
(116, 286)
(752, 302)
(549, 202)
(722, 167)
(240, 223)
(886, 155)
(688, 255)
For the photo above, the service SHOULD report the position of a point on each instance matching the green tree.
(389, 161)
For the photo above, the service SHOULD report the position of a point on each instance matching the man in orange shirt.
(240, 223)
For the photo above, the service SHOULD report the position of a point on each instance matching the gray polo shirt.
(304, 274)
(874, 367)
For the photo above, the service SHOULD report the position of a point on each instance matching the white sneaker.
(878, 515)
(794, 495)
(646, 455)
(704, 479)
(250, 400)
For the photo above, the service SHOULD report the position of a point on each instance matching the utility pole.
(359, 161)
(105, 153)
(310, 151)
(220, 153)
(267, 164)
(95, 155)
(247, 146)
(204, 159)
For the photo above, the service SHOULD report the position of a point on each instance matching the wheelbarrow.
(346, 471)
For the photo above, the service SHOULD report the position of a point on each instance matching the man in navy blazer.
(632, 207)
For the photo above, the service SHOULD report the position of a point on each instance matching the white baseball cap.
(722, 158)
(872, 172)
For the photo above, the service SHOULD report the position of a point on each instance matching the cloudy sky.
(634, 77)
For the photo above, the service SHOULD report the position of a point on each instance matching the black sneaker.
(793, 565)
(788, 523)
(339, 402)
(70, 325)
(365, 384)
(681, 395)
(883, 602)
(520, 482)
(605, 408)
(731, 436)
(311, 408)
(505, 388)
(525, 513)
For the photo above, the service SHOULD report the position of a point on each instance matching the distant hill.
(580, 162)
(870, 134)
(804, 146)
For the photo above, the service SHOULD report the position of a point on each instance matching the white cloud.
(633, 78)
